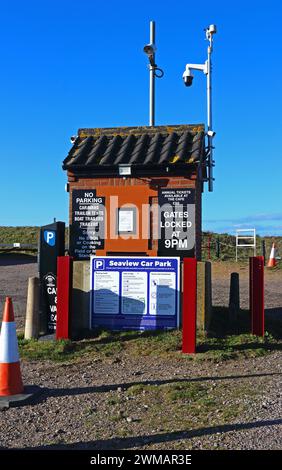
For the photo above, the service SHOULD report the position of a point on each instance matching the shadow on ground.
(63, 392)
(139, 441)
(222, 325)
(12, 259)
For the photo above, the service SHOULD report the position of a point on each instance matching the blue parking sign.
(50, 237)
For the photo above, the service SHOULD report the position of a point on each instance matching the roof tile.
(136, 146)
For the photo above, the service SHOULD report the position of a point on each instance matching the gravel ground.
(14, 274)
(15, 271)
(221, 284)
(88, 404)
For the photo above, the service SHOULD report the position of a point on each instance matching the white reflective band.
(9, 343)
(272, 253)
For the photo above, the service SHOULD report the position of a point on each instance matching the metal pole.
(152, 78)
(209, 112)
(217, 248)
(263, 250)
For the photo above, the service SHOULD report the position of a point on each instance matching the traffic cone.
(272, 260)
(10, 371)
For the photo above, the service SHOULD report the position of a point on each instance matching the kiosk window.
(126, 220)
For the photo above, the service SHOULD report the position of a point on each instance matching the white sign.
(126, 221)
(162, 288)
(134, 292)
(106, 287)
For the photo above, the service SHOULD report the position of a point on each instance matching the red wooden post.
(64, 289)
(189, 305)
(257, 295)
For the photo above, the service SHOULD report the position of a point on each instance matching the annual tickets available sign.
(177, 222)
(134, 293)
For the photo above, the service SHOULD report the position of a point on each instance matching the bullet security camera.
(149, 49)
(188, 77)
(73, 139)
(211, 133)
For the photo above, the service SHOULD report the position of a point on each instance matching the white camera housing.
(212, 29)
(211, 133)
(188, 77)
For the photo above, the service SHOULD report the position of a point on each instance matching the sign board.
(88, 223)
(126, 220)
(52, 245)
(177, 222)
(49, 284)
(134, 293)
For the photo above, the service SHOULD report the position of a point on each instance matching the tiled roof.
(142, 146)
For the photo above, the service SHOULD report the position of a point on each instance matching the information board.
(49, 286)
(88, 222)
(177, 222)
(134, 293)
(51, 245)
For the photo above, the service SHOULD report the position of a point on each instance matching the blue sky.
(69, 64)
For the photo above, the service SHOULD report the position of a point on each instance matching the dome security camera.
(188, 77)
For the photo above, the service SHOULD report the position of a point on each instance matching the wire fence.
(223, 247)
(214, 247)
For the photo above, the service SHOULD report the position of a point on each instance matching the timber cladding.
(137, 191)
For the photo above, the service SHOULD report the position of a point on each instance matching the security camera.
(211, 133)
(188, 77)
(212, 29)
(149, 49)
(73, 138)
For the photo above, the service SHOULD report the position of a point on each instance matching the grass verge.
(107, 344)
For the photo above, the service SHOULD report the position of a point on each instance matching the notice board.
(134, 293)
(87, 230)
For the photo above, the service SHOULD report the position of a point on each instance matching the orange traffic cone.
(10, 372)
(272, 260)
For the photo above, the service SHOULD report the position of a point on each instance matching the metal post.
(263, 250)
(217, 248)
(152, 78)
(209, 113)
